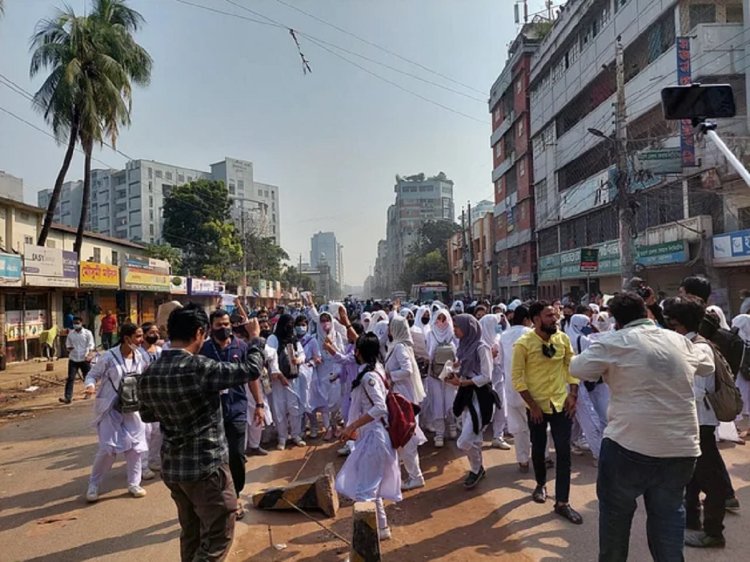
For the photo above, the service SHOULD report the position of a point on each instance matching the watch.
(260, 406)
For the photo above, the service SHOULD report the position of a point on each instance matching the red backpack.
(402, 416)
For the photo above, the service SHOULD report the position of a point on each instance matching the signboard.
(661, 160)
(589, 259)
(589, 194)
(205, 287)
(146, 274)
(684, 77)
(11, 270)
(50, 267)
(663, 254)
(732, 246)
(29, 324)
(178, 285)
(93, 274)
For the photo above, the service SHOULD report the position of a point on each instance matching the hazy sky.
(332, 140)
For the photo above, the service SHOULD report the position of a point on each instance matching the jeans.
(73, 367)
(107, 340)
(206, 510)
(235, 432)
(560, 425)
(624, 476)
(707, 478)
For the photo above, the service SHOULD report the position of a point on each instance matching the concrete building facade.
(11, 187)
(325, 245)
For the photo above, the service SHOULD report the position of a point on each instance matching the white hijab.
(457, 307)
(720, 313)
(401, 334)
(575, 331)
(602, 322)
(742, 323)
(445, 334)
(488, 324)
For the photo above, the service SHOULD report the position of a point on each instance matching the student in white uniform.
(325, 393)
(489, 324)
(118, 433)
(441, 347)
(475, 401)
(151, 461)
(371, 472)
(401, 366)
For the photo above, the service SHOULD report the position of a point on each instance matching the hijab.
(469, 345)
(444, 335)
(401, 334)
(602, 322)
(284, 330)
(575, 331)
(720, 313)
(742, 323)
(488, 323)
(436, 305)
(378, 316)
(457, 307)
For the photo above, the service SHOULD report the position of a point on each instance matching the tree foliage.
(428, 257)
(168, 253)
(197, 221)
(263, 256)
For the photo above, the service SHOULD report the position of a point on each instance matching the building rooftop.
(97, 236)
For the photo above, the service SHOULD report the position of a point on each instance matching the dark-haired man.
(541, 360)
(80, 345)
(181, 391)
(651, 440)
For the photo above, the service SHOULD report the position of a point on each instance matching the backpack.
(729, 342)
(725, 400)
(443, 353)
(402, 416)
(127, 391)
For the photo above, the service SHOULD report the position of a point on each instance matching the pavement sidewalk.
(19, 376)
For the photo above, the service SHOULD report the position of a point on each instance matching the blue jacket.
(234, 401)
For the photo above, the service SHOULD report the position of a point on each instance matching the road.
(45, 458)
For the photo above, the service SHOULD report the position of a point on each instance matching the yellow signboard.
(94, 274)
(143, 280)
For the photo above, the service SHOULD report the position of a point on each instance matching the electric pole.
(626, 212)
(244, 251)
(471, 252)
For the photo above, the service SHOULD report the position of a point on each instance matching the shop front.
(146, 283)
(100, 283)
(178, 288)
(731, 258)
(516, 285)
(11, 283)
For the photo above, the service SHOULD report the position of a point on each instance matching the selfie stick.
(709, 129)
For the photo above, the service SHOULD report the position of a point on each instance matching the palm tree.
(87, 95)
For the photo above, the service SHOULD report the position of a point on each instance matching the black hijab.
(285, 330)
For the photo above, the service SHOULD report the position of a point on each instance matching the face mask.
(222, 334)
(410, 321)
(300, 331)
(425, 320)
(326, 326)
(77, 327)
(498, 329)
(152, 339)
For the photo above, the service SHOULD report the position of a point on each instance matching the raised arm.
(219, 375)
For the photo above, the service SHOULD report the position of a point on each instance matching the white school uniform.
(468, 441)
(440, 395)
(517, 420)
(288, 401)
(254, 432)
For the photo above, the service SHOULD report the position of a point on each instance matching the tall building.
(128, 203)
(512, 174)
(418, 199)
(325, 245)
(11, 187)
(680, 206)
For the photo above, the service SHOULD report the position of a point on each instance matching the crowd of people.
(631, 379)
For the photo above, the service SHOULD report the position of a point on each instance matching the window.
(190, 178)
(97, 254)
(151, 201)
(151, 214)
(150, 173)
(159, 174)
(50, 243)
(520, 128)
(168, 175)
(260, 193)
(241, 185)
(180, 178)
(519, 84)
(151, 229)
(522, 168)
(115, 257)
(735, 13)
(266, 193)
(232, 190)
(151, 187)
(702, 13)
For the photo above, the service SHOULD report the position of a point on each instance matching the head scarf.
(284, 330)
(436, 305)
(575, 331)
(469, 345)
(457, 307)
(380, 329)
(378, 316)
(401, 334)
(365, 318)
(444, 335)
(163, 312)
(742, 323)
(489, 329)
(602, 323)
(594, 308)
(514, 305)
(320, 333)
(720, 313)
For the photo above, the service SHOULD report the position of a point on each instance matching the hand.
(298, 361)
(343, 316)
(536, 414)
(570, 405)
(349, 433)
(252, 328)
(88, 391)
(495, 352)
(259, 417)
(329, 347)
(453, 380)
(318, 360)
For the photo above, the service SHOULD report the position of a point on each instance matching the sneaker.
(92, 494)
(439, 442)
(539, 495)
(136, 491)
(583, 445)
(413, 484)
(575, 450)
(569, 513)
(732, 504)
(500, 443)
(344, 451)
(699, 539)
(148, 474)
(281, 445)
(384, 533)
(299, 441)
(452, 433)
(473, 478)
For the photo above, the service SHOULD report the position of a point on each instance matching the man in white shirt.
(80, 345)
(651, 440)
(684, 315)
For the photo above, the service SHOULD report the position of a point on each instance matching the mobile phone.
(697, 101)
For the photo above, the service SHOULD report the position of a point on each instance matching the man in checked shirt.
(180, 390)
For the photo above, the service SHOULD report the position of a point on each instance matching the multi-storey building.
(128, 203)
(11, 186)
(324, 244)
(418, 200)
(512, 174)
(471, 272)
(573, 84)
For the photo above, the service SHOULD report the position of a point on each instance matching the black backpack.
(729, 342)
(127, 391)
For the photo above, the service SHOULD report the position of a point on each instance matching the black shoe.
(64, 400)
(699, 539)
(732, 504)
(540, 494)
(569, 513)
(473, 478)
(256, 452)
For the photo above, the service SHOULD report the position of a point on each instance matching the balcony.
(503, 128)
(504, 166)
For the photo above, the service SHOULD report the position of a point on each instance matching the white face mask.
(77, 327)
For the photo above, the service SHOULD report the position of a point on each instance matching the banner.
(684, 78)
(94, 274)
(11, 270)
(29, 324)
(146, 274)
(50, 267)
(178, 285)
(205, 287)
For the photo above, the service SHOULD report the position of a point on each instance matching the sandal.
(569, 513)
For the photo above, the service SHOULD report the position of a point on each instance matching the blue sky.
(331, 140)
